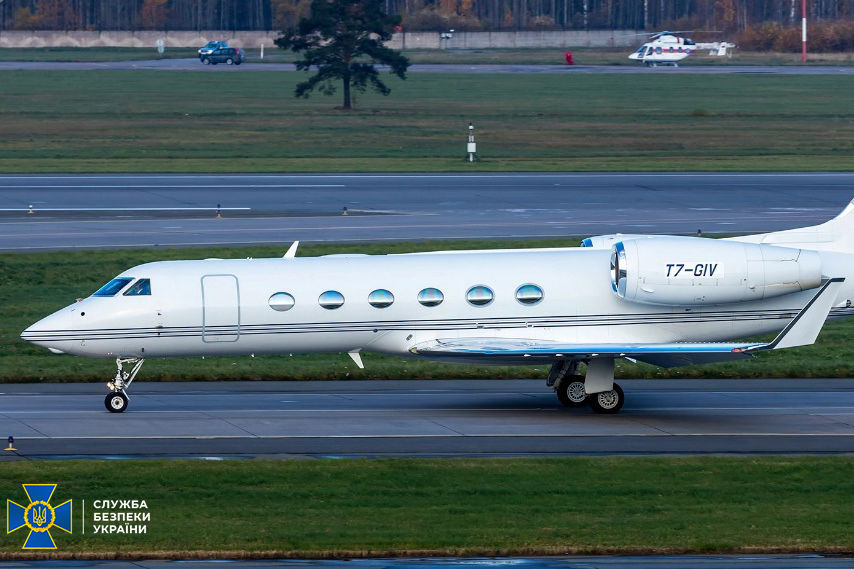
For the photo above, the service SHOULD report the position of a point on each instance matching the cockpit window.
(142, 287)
(112, 287)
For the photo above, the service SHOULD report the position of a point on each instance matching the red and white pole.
(804, 31)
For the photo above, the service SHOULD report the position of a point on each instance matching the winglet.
(804, 328)
(292, 251)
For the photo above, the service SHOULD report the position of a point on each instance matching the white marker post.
(262, 51)
(471, 146)
(804, 31)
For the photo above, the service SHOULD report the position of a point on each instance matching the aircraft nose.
(50, 330)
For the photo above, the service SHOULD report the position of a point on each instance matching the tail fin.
(836, 234)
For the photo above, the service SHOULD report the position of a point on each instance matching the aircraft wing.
(802, 330)
(511, 350)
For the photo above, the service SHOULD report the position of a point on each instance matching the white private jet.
(664, 300)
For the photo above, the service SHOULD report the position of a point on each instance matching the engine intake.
(694, 271)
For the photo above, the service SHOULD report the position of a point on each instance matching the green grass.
(458, 506)
(150, 121)
(34, 285)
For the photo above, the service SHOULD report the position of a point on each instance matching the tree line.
(419, 15)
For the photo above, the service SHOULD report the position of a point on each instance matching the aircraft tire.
(607, 402)
(571, 391)
(116, 402)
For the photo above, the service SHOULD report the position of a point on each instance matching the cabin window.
(479, 295)
(431, 297)
(112, 287)
(142, 287)
(658, 50)
(649, 51)
(381, 298)
(529, 294)
(331, 299)
(281, 301)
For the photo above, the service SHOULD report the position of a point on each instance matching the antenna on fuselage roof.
(292, 251)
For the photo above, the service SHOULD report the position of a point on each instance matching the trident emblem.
(40, 515)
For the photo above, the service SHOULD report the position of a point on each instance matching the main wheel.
(571, 391)
(229, 61)
(116, 402)
(206, 61)
(607, 402)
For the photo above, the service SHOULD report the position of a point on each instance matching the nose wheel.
(117, 400)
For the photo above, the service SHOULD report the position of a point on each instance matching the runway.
(193, 64)
(425, 418)
(118, 211)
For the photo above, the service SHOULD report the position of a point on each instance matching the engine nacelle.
(694, 271)
(607, 241)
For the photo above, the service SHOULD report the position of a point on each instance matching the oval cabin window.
(381, 298)
(281, 301)
(529, 294)
(331, 299)
(479, 295)
(431, 297)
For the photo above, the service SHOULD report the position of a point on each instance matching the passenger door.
(220, 308)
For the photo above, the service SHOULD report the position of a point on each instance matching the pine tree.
(343, 40)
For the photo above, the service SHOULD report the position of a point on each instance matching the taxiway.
(193, 64)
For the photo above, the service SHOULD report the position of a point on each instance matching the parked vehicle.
(209, 47)
(227, 55)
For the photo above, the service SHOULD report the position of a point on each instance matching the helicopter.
(667, 48)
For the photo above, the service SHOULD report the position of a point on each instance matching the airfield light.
(11, 441)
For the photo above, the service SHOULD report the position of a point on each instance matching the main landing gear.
(596, 389)
(117, 400)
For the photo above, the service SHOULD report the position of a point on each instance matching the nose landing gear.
(117, 400)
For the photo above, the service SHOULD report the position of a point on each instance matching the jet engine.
(691, 271)
(607, 241)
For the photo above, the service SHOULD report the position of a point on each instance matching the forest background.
(762, 25)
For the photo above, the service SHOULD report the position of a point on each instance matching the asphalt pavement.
(193, 64)
(117, 211)
(333, 419)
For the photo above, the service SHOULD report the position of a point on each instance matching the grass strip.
(455, 506)
(145, 121)
(34, 285)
